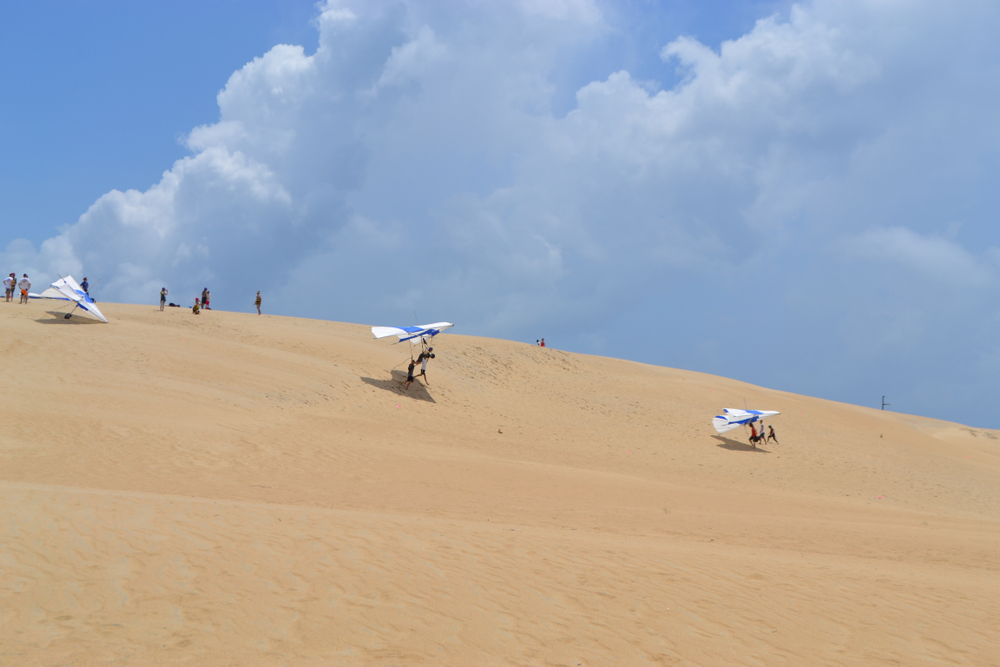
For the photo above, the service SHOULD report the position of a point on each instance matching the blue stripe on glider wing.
(411, 329)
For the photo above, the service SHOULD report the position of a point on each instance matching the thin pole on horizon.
(884, 403)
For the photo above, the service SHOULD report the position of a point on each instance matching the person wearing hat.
(197, 308)
(422, 360)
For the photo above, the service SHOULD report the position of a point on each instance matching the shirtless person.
(409, 374)
(771, 436)
(422, 360)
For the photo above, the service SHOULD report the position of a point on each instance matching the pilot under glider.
(416, 335)
(734, 418)
(67, 289)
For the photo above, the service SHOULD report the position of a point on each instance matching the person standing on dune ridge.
(8, 283)
(163, 297)
(257, 302)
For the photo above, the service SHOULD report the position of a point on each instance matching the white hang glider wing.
(50, 293)
(733, 418)
(67, 289)
(416, 335)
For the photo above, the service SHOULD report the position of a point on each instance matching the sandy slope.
(231, 489)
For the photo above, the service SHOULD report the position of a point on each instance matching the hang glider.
(67, 289)
(416, 335)
(733, 418)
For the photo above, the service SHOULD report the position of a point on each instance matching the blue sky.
(799, 196)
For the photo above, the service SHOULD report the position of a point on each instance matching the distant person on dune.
(8, 285)
(163, 297)
(422, 360)
(257, 302)
(197, 307)
(24, 285)
(771, 436)
(543, 343)
(205, 296)
(409, 374)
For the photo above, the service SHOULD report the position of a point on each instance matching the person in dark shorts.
(163, 297)
(409, 374)
(205, 297)
(422, 360)
(771, 436)
(257, 302)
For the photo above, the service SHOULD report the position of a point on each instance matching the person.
(197, 308)
(771, 436)
(85, 285)
(205, 296)
(24, 286)
(543, 342)
(257, 302)
(536, 343)
(8, 284)
(163, 297)
(753, 436)
(422, 360)
(409, 373)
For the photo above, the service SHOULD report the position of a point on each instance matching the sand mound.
(229, 489)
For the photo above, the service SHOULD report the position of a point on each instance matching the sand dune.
(229, 489)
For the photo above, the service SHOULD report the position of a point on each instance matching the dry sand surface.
(228, 489)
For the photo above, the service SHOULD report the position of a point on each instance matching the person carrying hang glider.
(421, 335)
(67, 289)
(733, 418)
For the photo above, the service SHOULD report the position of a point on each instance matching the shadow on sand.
(736, 446)
(417, 391)
(59, 317)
